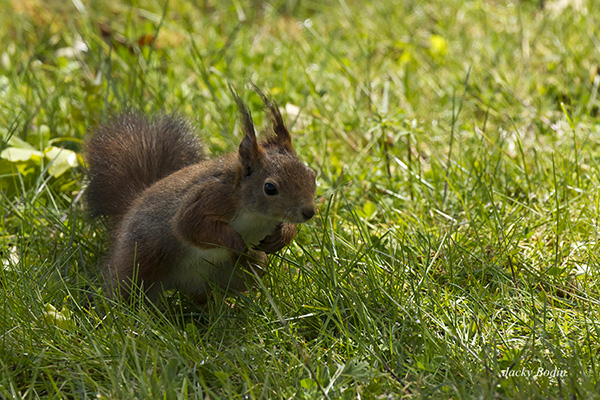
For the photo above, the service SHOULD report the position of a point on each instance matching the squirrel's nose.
(308, 213)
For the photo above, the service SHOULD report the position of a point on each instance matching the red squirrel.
(180, 221)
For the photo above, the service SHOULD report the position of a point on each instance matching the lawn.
(455, 249)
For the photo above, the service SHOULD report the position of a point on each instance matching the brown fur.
(179, 222)
(130, 153)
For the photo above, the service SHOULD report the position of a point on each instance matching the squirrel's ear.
(250, 151)
(282, 134)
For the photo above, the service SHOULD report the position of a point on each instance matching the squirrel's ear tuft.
(250, 151)
(282, 135)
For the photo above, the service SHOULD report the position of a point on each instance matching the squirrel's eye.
(270, 189)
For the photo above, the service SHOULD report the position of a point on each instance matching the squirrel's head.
(275, 183)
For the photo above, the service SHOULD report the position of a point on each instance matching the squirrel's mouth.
(299, 215)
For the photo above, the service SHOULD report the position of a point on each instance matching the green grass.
(457, 146)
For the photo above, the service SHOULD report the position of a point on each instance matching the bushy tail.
(130, 153)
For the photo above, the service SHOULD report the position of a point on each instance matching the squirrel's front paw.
(283, 235)
(271, 244)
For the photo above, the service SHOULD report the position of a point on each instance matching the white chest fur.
(200, 266)
(253, 227)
